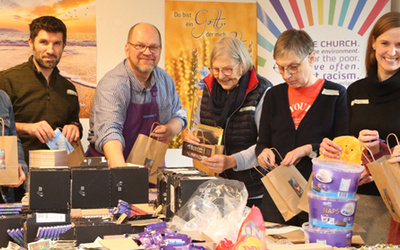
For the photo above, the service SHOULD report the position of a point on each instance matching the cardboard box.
(309, 246)
(50, 189)
(130, 184)
(119, 244)
(201, 239)
(90, 188)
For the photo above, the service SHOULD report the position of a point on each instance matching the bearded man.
(133, 96)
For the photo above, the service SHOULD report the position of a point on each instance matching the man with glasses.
(133, 96)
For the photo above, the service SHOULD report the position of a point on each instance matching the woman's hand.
(219, 163)
(370, 140)
(294, 156)
(267, 159)
(365, 178)
(330, 149)
(395, 158)
(192, 139)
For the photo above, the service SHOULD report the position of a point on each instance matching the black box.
(90, 188)
(164, 182)
(49, 189)
(35, 221)
(9, 222)
(183, 189)
(130, 184)
(88, 232)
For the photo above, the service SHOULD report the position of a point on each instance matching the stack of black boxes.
(91, 185)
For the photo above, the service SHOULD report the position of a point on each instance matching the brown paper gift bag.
(387, 184)
(8, 158)
(148, 152)
(285, 184)
(394, 168)
(303, 203)
(77, 156)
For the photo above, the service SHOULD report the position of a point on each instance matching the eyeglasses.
(142, 48)
(290, 69)
(225, 71)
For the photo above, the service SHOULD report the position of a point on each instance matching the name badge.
(248, 108)
(71, 92)
(359, 101)
(330, 92)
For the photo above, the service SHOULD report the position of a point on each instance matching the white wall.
(395, 5)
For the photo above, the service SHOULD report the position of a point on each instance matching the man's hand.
(42, 130)
(161, 133)
(21, 177)
(165, 132)
(71, 132)
(113, 153)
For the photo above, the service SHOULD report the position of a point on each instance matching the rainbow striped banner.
(276, 16)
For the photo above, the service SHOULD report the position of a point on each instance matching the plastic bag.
(217, 208)
(252, 232)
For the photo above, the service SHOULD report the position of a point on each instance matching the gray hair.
(296, 41)
(234, 48)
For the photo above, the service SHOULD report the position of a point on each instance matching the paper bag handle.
(387, 141)
(372, 155)
(267, 169)
(152, 129)
(277, 153)
(152, 126)
(255, 167)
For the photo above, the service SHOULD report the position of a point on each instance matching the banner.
(78, 61)
(191, 29)
(340, 31)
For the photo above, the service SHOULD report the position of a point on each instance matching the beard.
(143, 66)
(48, 64)
(46, 61)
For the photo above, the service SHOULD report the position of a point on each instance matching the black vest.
(241, 131)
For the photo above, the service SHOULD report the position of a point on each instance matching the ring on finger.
(214, 164)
